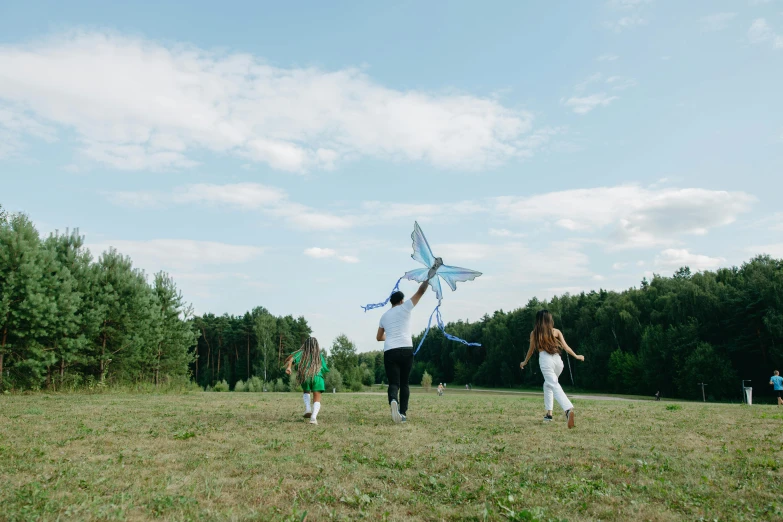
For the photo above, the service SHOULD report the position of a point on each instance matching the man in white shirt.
(395, 332)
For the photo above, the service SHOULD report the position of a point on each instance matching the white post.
(747, 392)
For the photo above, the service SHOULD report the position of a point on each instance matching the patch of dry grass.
(250, 456)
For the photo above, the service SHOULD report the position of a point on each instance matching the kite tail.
(442, 328)
(371, 306)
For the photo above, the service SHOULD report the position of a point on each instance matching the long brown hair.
(544, 334)
(310, 364)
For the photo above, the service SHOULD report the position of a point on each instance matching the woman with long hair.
(310, 369)
(548, 340)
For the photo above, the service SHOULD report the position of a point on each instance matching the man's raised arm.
(419, 293)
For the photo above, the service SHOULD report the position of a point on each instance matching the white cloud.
(773, 222)
(139, 199)
(14, 123)
(557, 262)
(373, 211)
(627, 4)
(716, 21)
(325, 253)
(320, 253)
(585, 104)
(139, 104)
(626, 22)
(520, 263)
(403, 210)
(627, 215)
(593, 78)
(630, 215)
(301, 216)
(242, 195)
(178, 254)
(774, 249)
(502, 232)
(761, 33)
(464, 252)
(607, 58)
(246, 196)
(618, 266)
(672, 259)
(631, 10)
(620, 83)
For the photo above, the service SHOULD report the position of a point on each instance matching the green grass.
(249, 456)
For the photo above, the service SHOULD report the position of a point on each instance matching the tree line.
(668, 335)
(68, 320)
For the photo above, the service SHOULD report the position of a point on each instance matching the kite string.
(371, 306)
(568, 358)
(442, 327)
(429, 323)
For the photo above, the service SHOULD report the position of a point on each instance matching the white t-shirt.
(397, 325)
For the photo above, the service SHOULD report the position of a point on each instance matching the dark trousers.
(398, 363)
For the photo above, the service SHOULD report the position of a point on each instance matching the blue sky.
(277, 155)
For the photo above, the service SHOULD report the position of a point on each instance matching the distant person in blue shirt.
(777, 382)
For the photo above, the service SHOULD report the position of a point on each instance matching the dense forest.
(249, 350)
(68, 320)
(668, 335)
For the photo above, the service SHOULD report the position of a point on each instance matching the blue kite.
(434, 269)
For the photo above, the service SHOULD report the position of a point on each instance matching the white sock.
(316, 409)
(306, 398)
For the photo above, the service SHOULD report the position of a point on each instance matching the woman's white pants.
(551, 367)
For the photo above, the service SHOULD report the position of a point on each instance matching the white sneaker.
(395, 412)
(313, 421)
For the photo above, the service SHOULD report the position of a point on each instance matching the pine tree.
(177, 335)
(128, 315)
(26, 306)
(264, 326)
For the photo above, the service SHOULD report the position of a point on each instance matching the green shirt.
(324, 368)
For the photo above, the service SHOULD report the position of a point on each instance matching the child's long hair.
(310, 364)
(543, 333)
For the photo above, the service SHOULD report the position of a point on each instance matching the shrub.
(426, 381)
(293, 382)
(368, 377)
(255, 384)
(240, 386)
(221, 386)
(334, 380)
(279, 386)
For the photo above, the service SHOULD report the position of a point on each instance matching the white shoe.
(395, 412)
(313, 421)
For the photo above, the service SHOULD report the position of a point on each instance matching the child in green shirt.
(310, 368)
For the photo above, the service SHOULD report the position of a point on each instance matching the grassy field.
(246, 456)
